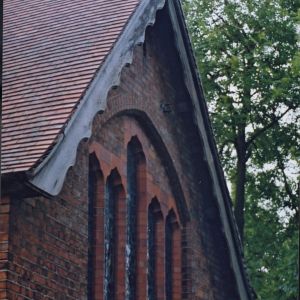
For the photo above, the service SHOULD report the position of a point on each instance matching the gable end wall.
(49, 237)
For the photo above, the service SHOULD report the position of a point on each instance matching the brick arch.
(148, 128)
(114, 237)
(136, 145)
(155, 207)
(127, 142)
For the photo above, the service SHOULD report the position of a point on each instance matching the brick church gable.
(114, 189)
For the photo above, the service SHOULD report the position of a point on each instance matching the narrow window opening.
(120, 237)
(168, 258)
(155, 251)
(151, 253)
(114, 233)
(136, 235)
(95, 229)
(172, 258)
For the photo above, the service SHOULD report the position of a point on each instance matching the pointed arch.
(146, 123)
(95, 229)
(136, 259)
(115, 223)
(155, 251)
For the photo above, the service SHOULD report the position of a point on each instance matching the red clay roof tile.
(51, 51)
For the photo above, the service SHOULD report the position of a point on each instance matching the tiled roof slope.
(51, 51)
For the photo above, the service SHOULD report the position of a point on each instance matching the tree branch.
(248, 153)
(225, 143)
(286, 184)
(260, 131)
(238, 27)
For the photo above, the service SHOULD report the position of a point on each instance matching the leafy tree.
(248, 55)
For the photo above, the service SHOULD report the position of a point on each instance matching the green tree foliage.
(248, 55)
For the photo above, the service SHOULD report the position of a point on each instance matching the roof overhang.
(49, 176)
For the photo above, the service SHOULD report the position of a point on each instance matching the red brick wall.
(49, 237)
(4, 242)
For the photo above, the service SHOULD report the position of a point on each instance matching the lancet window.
(134, 248)
(114, 233)
(136, 227)
(155, 249)
(95, 229)
(173, 257)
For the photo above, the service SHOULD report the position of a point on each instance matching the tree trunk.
(240, 182)
(240, 196)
